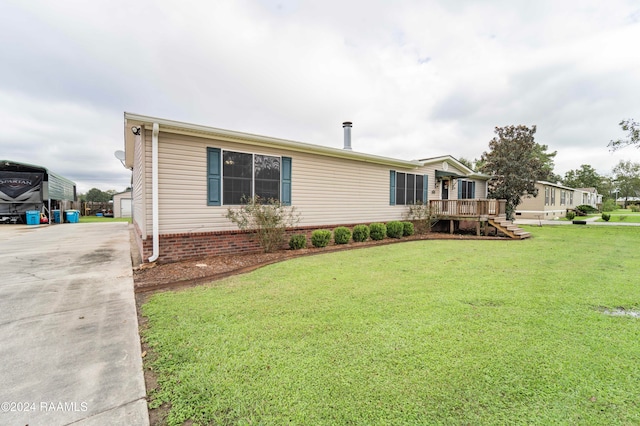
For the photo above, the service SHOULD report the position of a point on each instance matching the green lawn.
(92, 219)
(431, 332)
(622, 216)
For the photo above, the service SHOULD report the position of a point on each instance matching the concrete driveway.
(69, 344)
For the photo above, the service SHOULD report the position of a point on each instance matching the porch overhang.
(441, 174)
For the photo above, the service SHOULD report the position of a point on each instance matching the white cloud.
(418, 79)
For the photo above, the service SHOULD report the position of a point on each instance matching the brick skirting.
(177, 247)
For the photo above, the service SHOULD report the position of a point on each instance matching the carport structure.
(26, 187)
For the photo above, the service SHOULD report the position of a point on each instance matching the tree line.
(96, 195)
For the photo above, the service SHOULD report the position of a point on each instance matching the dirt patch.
(620, 312)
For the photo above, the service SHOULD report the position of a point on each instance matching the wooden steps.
(508, 228)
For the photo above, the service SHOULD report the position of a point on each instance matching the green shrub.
(377, 231)
(606, 217)
(297, 242)
(360, 233)
(407, 229)
(320, 238)
(420, 214)
(585, 209)
(635, 208)
(609, 206)
(267, 220)
(341, 235)
(570, 215)
(395, 229)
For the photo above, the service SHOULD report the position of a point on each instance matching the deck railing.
(470, 208)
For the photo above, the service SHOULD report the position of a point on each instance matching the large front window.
(409, 189)
(249, 175)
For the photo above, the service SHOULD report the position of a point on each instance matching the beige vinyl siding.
(535, 207)
(139, 185)
(329, 191)
(325, 190)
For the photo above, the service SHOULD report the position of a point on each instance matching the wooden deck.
(467, 209)
(488, 214)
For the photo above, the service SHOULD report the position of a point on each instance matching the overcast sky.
(418, 78)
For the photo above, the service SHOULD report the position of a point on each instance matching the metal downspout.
(154, 193)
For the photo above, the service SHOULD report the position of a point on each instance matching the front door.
(445, 189)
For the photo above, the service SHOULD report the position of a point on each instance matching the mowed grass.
(431, 332)
(623, 216)
(102, 219)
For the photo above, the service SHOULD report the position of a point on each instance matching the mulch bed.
(149, 278)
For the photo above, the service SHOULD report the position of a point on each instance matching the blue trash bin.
(57, 218)
(33, 217)
(73, 216)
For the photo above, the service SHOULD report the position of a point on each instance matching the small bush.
(635, 208)
(377, 231)
(407, 229)
(609, 206)
(395, 229)
(570, 215)
(585, 209)
(320, 238)
(606, 217)
(297, 242)
(267, 220)
(360, 233)
(341, 235)
(420, 213)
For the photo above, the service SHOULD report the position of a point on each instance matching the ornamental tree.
(515, 161)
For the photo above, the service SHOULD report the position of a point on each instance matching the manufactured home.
(554, 200)
(590, 197)
(187, 176)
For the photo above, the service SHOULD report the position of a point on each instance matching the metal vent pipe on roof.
(347, 134)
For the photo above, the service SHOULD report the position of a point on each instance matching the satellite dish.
(119, 155)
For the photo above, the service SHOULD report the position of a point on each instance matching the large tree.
(98, 196)
(515, 161)
(546, 158)
(584, 177)
(626, 177)
(633, 138)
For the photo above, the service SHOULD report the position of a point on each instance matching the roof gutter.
(154, 193)
(176, 127)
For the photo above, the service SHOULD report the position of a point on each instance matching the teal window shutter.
(425, 189)
(392, 186)
(459, 189)
(286, 181)
(214, 177)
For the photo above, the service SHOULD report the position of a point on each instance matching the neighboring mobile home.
(554, 200)
(186, 177)
(590, 197)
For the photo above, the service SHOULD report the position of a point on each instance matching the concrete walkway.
(69, 343)
(590, 221)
